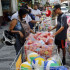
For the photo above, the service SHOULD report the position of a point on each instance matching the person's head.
(24, 6)
(44, 8)
(57, 9)
(35, 7)
(22, 13)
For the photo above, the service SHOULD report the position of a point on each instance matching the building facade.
(9, 6)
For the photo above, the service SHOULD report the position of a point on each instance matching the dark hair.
(56, 6)
(24, 6)
(22, 12)
(29, 11)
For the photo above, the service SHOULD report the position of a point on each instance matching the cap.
(56, 6)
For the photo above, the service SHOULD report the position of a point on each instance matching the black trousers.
(60, 43)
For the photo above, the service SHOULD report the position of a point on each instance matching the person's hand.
(49, 30)
(21, 34)
(53, 35)
(34, 14)
(39, 22)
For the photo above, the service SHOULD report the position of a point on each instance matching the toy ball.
(31, 56)
(61, 68)
(38, 63)
(57, 59)
(26, 66)
(50, 65)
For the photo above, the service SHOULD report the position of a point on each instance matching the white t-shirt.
(14, 16)
(36, 12)
(27, 18)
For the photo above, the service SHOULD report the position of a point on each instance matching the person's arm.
(52, 28)
(61, 29)
(39, 15)
(12, 25)
(33, 21)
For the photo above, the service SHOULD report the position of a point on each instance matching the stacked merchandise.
(45, 24)
(41, 43)
(38, 53)
(68, 35)
(36, 62)
(38, 50)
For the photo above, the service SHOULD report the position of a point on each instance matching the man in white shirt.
(36, 12)
(27, 18)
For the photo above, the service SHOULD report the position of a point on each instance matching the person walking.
(61, 31)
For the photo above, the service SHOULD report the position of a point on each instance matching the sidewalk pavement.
(7, 53)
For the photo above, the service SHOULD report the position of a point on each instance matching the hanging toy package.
(68, 36)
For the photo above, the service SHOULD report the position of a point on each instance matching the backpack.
(26, 28)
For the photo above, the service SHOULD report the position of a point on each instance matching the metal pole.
(68, 3)
(1, 12)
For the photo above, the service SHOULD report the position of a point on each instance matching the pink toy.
(68, 21)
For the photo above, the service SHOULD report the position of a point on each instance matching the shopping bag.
(57, 58)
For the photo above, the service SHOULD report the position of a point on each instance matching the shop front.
(7, 7)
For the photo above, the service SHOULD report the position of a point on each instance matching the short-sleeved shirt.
(36, 12)
(27, 18)
(14, 16)
(48, 13)
(62, 22)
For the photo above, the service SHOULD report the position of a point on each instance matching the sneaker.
(64, 61)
